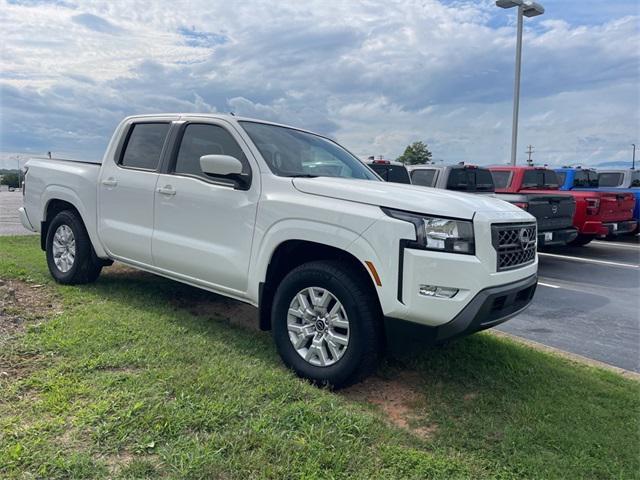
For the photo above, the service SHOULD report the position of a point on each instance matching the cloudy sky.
(374, 74)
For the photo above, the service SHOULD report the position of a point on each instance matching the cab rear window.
(540, 178)
(501, 179)
(610, 179)
(391, 173)
(422, 177)
(470, 180)
(585, 178)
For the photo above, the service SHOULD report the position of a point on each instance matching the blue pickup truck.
(618, 180)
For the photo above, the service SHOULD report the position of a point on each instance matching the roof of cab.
(218, 116)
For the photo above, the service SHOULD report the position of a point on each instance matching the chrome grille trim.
(515, 244)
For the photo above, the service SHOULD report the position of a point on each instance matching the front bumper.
(618, 228)
(558, 237)
(487, 309)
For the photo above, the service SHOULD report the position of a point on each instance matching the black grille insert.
(515, 244)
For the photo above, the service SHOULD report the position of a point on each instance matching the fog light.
(435, 291)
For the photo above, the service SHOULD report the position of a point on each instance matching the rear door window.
(635, 179)
(144, 145)
(423, 177)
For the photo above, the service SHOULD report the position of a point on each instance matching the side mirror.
(220, 165)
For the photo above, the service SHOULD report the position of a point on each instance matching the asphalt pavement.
(9, 221)
(587, 302)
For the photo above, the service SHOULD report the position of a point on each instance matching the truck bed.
(74, 181)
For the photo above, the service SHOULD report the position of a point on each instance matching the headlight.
(436, 233)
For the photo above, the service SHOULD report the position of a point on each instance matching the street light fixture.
(525, 9)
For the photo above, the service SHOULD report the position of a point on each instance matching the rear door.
(126, 191)
(204, 225)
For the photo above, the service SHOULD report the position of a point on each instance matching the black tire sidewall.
(582, 240)
(83, 248)
(344, 288)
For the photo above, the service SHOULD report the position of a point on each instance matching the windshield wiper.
(302, 175)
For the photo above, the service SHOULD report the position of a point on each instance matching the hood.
(411, 198)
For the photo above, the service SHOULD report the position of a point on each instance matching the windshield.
(293, 153)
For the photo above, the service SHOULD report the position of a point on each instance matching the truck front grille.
(515, 244)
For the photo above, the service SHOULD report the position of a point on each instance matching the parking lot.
(9, 221)
(586, 303)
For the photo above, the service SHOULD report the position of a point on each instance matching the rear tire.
(330, 303)
(581, 240)
(70, 255)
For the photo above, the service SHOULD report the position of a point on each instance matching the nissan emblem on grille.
(514, 244)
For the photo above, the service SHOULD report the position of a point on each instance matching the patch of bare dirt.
(117, 462)
(200, 302)
(22, 304)
(397, 397)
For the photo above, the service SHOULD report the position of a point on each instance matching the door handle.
(110, 182)
(167, 190)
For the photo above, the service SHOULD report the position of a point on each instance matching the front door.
(204, 225)
(126, 192)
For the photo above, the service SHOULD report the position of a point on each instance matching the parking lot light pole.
(525, 9)
(633, 162)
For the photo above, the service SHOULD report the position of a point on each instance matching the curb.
(568, 355)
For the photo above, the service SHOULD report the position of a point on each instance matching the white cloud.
(374, 74)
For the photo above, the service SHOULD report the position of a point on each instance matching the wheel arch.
(292, 253)
(57, 198)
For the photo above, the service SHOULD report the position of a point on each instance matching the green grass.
(124, 384)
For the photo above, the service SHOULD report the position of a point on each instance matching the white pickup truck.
(339, 263)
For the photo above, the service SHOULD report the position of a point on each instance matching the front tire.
(581, 240)
(326, 323)
(70, 256)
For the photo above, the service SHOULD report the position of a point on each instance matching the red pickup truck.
(597, 213)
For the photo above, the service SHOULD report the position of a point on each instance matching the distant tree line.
(9, 177)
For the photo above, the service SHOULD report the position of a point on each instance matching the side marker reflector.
(374, 273)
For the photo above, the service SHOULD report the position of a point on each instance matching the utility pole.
(530, 151)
